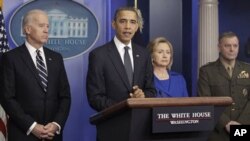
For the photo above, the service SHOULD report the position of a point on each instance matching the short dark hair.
(228, 34)
(133, 9)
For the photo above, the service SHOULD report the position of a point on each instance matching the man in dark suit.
(110, 79)
(35, 91)
(227, 77)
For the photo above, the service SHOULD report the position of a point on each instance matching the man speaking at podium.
(120, 69)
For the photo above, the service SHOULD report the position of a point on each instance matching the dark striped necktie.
(128, 65)
(41, 69)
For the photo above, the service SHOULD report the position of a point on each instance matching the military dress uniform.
(215, 81)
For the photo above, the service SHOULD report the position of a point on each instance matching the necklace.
(162, 76)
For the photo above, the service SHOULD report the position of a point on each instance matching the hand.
(39, 131)
(51, 129)
(137, 92)
(231, 123)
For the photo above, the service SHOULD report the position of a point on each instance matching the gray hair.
(30, 17)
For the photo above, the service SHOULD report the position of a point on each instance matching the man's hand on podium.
(137, 92)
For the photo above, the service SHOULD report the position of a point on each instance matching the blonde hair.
(136, 11)
(155, 42)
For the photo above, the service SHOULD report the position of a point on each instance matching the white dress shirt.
(32, 51)
(120, 47)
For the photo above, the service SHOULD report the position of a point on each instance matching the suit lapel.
(118, 64)
(137, 64)
(49, 63)
(237, 70)
(29, 63)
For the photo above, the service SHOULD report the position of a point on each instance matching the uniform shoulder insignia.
(208, 63)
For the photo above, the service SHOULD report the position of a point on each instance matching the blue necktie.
(42, 71)
(128, 65)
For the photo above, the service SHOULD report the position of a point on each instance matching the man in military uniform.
(227, 77)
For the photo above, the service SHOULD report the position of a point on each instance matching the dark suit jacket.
(107, 82)
(23, 97)
(215, 81)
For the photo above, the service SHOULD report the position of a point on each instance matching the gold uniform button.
(233, 109)
(233, 103)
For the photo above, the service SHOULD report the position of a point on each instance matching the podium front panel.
(182, 119)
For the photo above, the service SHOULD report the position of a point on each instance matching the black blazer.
(107, 82)
(22, 95)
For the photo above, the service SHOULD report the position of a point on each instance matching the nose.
(232, 48)
(46, 30)
(127, 25)
(164, 54)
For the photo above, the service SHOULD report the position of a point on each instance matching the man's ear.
(27, 29)
(113, 24)
(218, 47)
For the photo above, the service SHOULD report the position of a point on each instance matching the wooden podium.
(154, 119)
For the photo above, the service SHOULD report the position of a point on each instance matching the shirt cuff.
(59, 128)
(31, 128)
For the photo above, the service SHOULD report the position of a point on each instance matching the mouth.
(127, 33)
(231, 54)
(46, 37)
(164, 60)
